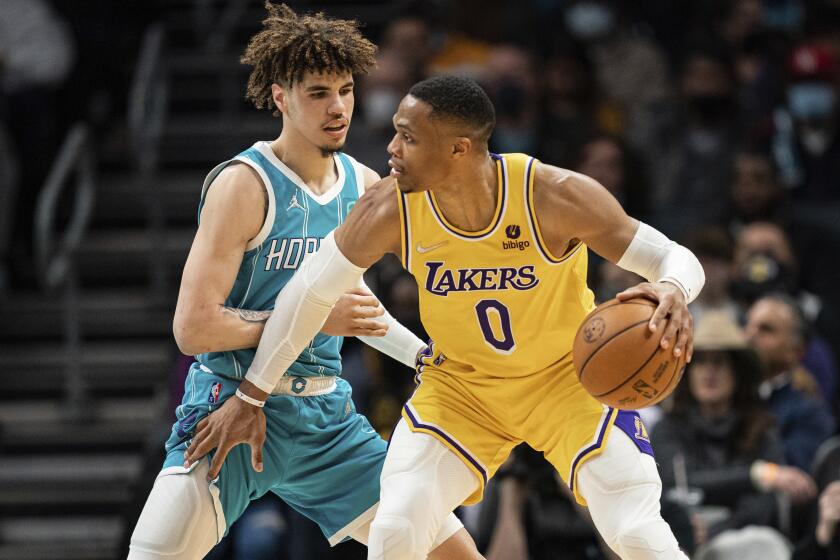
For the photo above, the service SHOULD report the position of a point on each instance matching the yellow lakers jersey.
(495, 302)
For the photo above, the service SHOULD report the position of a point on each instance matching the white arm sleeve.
(301, 308)
(658, 259)
(399, 342)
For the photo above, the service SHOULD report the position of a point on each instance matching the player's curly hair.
(460, 99)
(291, 45)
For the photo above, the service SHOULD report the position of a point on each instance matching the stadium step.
(59, 437)
(52, 484)
(115, 312)
(121, 198)
(43, 364)
(206, 139)
(46, 530)
(139, 410)
(107, 424)
(95, 549)
(124, 257)
(67, 469)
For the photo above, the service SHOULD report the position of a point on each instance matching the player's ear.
(279, 95)
(461, 147)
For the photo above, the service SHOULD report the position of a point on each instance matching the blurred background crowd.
(716, 121)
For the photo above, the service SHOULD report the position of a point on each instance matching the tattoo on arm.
(248, 315)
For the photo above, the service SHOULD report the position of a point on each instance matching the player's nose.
(337, 108)
(393, 146)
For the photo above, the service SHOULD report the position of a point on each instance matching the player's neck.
(469, 197)
(317, 170)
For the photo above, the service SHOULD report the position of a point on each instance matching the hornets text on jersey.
(296, 221)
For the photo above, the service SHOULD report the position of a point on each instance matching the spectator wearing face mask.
(511, 80)
(755, 190)
(690, 158)
(629, 67)
(573, 107)
(806, 143)
(764, 263)
(609, 160)
(713, 248)
(764, 218)
(400, 63)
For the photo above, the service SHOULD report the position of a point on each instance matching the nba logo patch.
(215, 391)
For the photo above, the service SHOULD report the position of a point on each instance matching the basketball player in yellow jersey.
(497, 245)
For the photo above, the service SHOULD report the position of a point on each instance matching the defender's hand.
(671, 313)
(353, 315)
(234, 423)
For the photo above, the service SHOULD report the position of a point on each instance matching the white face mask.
(815, 140)
(811, 101)
(380, 106)
(589, 20)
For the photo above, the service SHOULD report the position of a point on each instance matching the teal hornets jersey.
(296, 221)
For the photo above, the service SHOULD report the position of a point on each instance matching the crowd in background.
(715, 121)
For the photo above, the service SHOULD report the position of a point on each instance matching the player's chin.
(332, 147)
(404, 183)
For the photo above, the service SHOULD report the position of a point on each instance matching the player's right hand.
(671, 313)
(234, 423)
(354, 315)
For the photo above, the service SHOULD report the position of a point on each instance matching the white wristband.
(656, 258)
(250, 400)
(399, 343)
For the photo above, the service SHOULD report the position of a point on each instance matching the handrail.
(229, 17)
(148, 99)
(214, 26)
(8, 194)
(53, 256)
(147, 110)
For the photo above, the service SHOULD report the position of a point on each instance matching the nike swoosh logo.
(421, 249)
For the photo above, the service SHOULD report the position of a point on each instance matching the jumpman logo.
(294, 203)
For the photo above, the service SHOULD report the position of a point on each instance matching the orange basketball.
(619, 361)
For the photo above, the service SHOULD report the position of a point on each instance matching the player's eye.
(346, 91)
(406, 137)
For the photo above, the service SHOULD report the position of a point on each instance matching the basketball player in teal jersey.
(260, 214)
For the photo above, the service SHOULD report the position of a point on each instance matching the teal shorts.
(320, 456)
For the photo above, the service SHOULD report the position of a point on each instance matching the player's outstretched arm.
(398, 342)
(232, 215)
(591, 214)
(371, 230)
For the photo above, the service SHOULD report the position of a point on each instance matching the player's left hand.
(234, 423)
(671, 313)
(355, 314)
